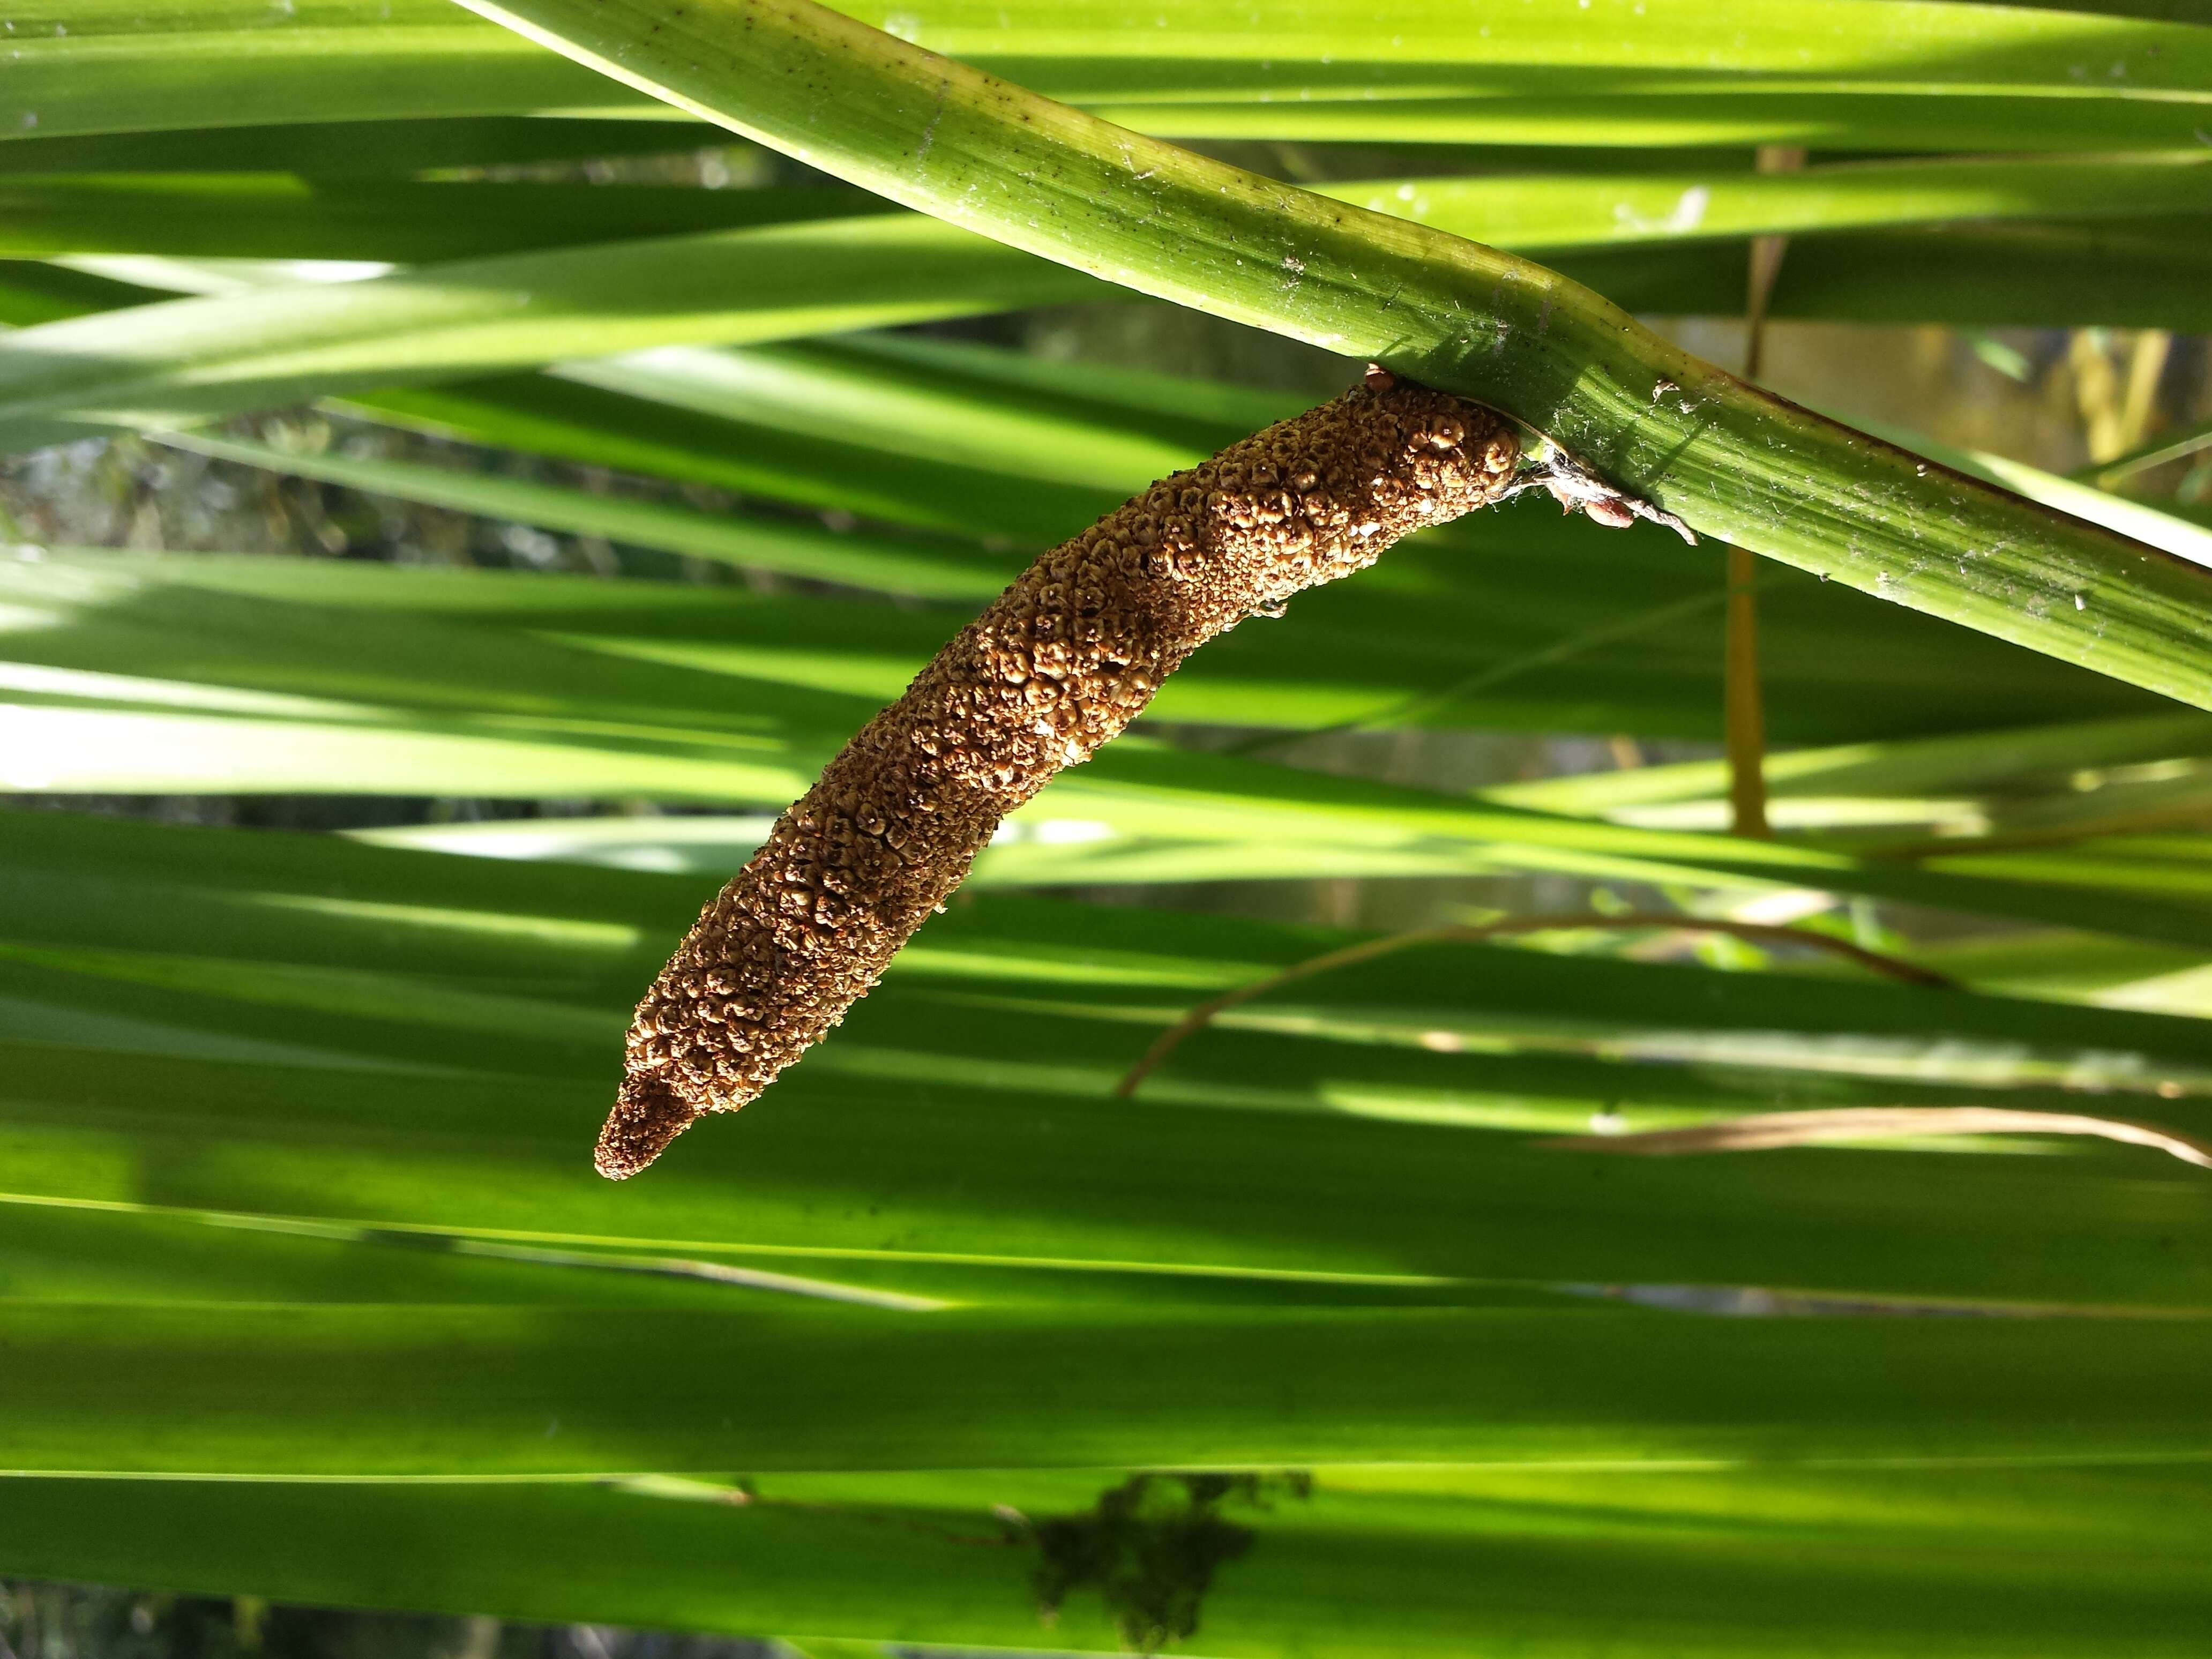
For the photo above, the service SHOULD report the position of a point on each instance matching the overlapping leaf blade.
(292, 1128)
(449, 1021)
(1708, 1563)
(1854, 73)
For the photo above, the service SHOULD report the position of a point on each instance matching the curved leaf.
(1736, 461)
(1858, 73)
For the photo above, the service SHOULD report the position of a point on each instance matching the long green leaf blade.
(316, 1034)
(1887, 73)
(2074, 1563)
(275, 215)
(516, 1391)
(794, 549)
(177, 362)
(1742, 465)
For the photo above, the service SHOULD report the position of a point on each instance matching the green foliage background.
(306, 1289)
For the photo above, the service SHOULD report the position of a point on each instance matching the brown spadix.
(1065, 659)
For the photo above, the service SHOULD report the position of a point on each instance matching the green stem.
(1737, 463)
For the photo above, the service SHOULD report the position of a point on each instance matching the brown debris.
(1065, 659)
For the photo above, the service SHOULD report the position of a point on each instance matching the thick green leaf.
(417, 1390)
(293, 1129)
(269, 215)
(2118, 864)
(96, 66)
(2175, 535)
(32, 292)
(549, 416)
(2122, 273)
(379, 149)
(2133, 273)
(1549, 215)
(275, 215)
(1739, 462)
(1547, 105)
(221, 353)
(294, 1029)
(179, 362)
(1960, 787)
(129, 1254)
(1863, 74)
(1746, 1563)
(146, 676)
(1426, 638)
(236, 695)
(1481, 623)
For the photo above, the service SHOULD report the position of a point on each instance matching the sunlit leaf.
(1710, 1562)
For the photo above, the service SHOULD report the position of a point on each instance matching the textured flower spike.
(1065, 658)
